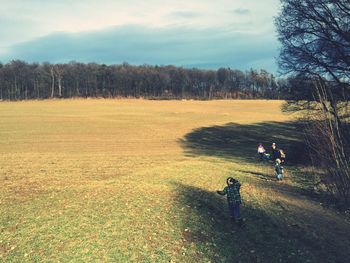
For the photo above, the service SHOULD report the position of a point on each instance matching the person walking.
(232, 190)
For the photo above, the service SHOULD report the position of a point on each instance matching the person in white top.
(261, 151)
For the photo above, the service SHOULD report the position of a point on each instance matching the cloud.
(241, 11)
(26, 20)
(11, 27)
(184, 14)
(181, 46)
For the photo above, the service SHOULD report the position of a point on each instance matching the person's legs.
(238, 219)
(232, 210)
(261, 156)
(237, 211)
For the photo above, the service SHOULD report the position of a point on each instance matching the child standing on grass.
(233, 198)
(279, 169)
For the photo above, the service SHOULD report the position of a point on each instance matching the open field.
(135, 180)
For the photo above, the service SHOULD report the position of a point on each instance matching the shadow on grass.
(240, 141)
(269, 236)
(260, 175)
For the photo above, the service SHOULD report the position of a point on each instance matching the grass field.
(135, 180)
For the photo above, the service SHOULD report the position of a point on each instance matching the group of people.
(232, 190)
(277, 156)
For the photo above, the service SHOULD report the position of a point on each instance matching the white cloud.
(44, 17)
(204, 48)
(32, 21)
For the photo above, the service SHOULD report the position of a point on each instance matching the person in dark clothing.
(278, 160)
(232, 190)
(275, 152)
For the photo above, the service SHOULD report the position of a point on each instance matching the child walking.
(233, 198)
(279, 169)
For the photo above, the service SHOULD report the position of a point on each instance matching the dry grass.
(109, 180)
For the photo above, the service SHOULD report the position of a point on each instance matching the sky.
(205, 34)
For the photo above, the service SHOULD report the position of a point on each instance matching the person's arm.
(238, 185)
(223, 192)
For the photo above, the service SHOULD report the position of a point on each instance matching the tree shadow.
(268, 236)
(260, 175)
(300, 190)
(240, 141)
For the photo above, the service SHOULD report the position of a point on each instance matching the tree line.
(20, 80)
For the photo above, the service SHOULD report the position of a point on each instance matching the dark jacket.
(276, 154)
(232, 192)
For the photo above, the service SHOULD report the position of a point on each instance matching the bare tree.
(52, 80)
(315, 38)
(58, 70)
